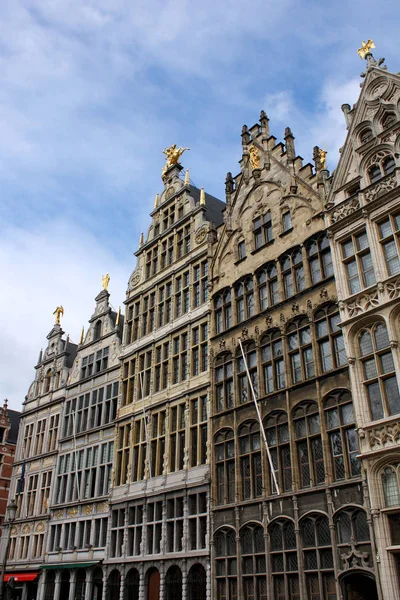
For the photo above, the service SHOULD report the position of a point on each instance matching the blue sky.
(93, 90)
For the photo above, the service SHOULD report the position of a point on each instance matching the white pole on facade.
(259, 419)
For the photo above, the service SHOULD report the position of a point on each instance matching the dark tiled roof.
(14, 417)
(214, 207)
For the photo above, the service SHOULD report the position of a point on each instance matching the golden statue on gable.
(58, 312)
(322, 158)
(365, 48)
(254, 158)
(105, 280)
(173, 155)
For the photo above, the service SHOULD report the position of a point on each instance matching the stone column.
(122, 584)
(88, 584)
(41, 586)
(162, 580)
(57, 586)
(72, 585)
(141, 582)
(184, 579)
(105, 577)
(24, 592)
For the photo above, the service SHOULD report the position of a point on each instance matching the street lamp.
(11, 512)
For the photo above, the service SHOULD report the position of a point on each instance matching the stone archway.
(97, 584)
(359, 586)
(131, 588)
(173, 583)
(197, 583)
(153, 584)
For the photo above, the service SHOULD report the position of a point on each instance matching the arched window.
(273, 362)
(241, 250)
(224, 398)
(309, 445)
(244, 294)
(97, 331)
(300, 349)
(339, 420)
(113, 585)
(262, 230)
(330, 338)
(318, 557)
(50, 584)
(379, 372)
(47, 381)
(80, 584)
(244, 390)
(225, 466)
(250, 460)
(226, 565)
(267, 279)
(374, 173)
(319, 258)
(197, 583)
(391, 487)
(388, 165)
(284, 564)
(389, 119)
(223, 311)
(277, 432)
(366, 135)
(293, 273)
(253, 562)
(352, 527)
(389, 236)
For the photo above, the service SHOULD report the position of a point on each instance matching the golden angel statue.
(173, 155)
(58, 312)
(254, 158)
(105, 280)
(365, 48)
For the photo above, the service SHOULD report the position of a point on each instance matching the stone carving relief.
(383, 186)
(344, 209)
(170, 192)
(135, 279)
(362, 303)
(201, 234)
(393, 288)
(385, 435)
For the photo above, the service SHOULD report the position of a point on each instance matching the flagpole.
(259, 419)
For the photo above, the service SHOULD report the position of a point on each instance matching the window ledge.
(269, 243)
(237, 262)
(286, 232)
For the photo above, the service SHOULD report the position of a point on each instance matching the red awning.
(21, 576)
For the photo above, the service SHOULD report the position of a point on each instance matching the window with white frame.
(177, 437)
(389, 237)
(197, 521)
(357, 260)
(198, 430)
(135, 530)
(330, 338)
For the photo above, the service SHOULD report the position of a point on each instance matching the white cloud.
(57, 263)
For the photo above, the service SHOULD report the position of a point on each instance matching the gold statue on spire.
(322, 158)
(254, 158)
(105, 280)
(173, 155)
(58, 312)
(365, 48)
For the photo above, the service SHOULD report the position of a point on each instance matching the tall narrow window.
(284, 563)
(123, 454)
(267, 279)
(225, 466)
(198, 431)
(277, 432)
(97, 331)
(250, 460)
(244, 390)
(293, 273)
(244, 299)
(356, 256)
(139, 450)
(379, 371)
(223, 311)
(253, 562)
(273, 362)
(286, 221)
(226, 565)
(262, 230)
(157, 443)
(318, 558)
(224, 398)
(300, 349)
(389, 234)
(177, 437)
(241, 248)
(330, 339)
(339, 420)
(391, 487)
(309, 444)
(319, 258)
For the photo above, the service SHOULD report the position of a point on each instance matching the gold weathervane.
(365, 48)
(58, 312)
(105, 280)
(254, 158)
(322, 158)
(173, 155)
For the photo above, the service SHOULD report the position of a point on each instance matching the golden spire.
(156, 200)
(202, 196)
(105, 280)
(58, 312)
(117, 320)
(365, 48)
(141, 240)
(186, 182)
(82, 335)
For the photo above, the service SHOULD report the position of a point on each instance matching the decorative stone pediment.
(384, 436)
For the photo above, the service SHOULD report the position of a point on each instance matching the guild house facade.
(236, 435)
